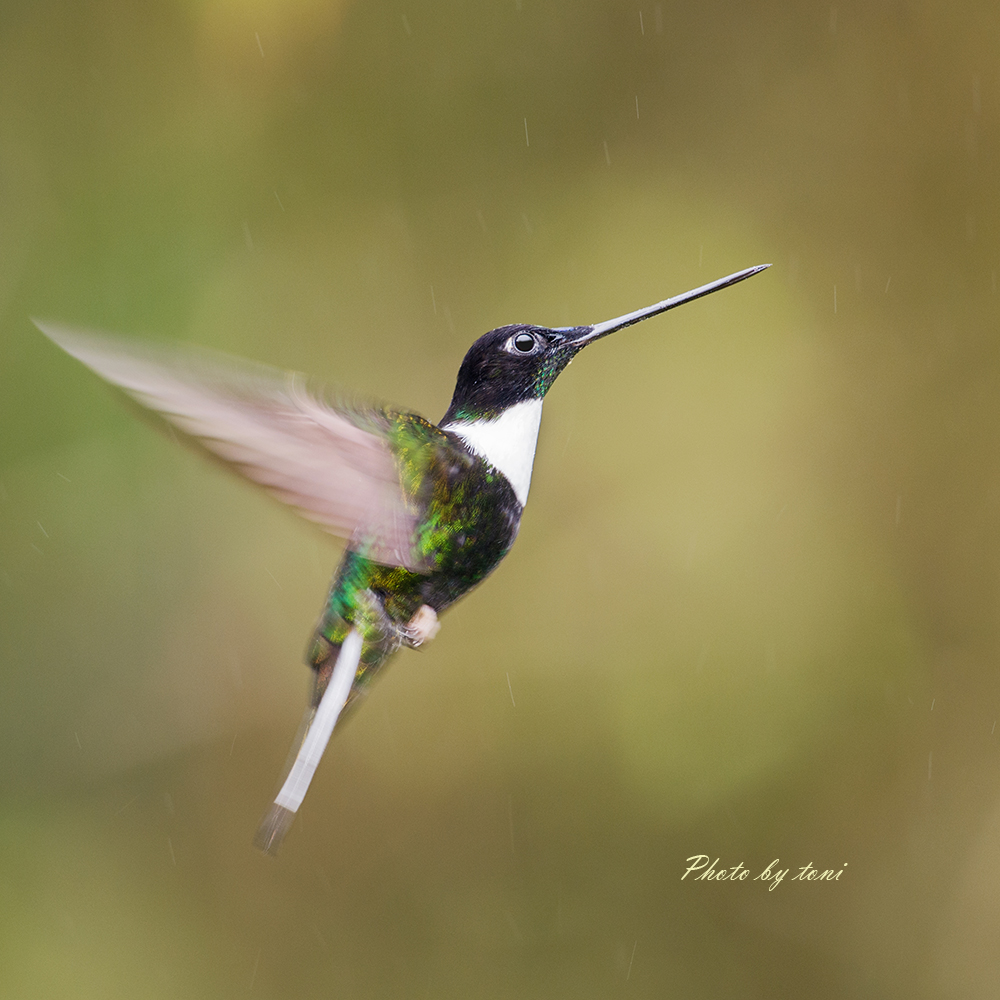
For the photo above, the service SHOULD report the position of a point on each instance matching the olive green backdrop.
(754, 612)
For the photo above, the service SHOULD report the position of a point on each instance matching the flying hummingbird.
(427, 510)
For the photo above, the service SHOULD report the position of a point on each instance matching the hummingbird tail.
(278, 820)
(276, 823)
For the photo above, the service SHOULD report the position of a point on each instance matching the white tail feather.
(293, 791)
(279, 817)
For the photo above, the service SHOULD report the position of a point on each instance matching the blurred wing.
(333, 465)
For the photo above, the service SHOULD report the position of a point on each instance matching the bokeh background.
(754, 611)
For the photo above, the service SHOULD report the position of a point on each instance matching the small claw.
(422, 627)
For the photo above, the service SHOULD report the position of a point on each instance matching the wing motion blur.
(334, 465)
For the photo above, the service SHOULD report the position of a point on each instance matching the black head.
(509, 365)
(514, 364)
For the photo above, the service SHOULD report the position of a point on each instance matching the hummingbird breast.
(470, 523)
(507, 442)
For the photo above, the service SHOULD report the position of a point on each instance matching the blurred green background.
(754, 612)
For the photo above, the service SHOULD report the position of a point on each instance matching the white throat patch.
(507, 442)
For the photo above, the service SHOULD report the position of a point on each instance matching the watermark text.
(702, 868)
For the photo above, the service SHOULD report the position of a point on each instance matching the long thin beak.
(603, 329)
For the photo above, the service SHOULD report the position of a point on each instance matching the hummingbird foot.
(422, 627)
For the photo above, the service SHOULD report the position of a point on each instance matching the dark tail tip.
(276, 823)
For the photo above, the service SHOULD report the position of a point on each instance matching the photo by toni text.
(773, 873)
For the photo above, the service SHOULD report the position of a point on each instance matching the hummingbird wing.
(335, 465)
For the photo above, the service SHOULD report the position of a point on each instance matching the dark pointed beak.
(587, 334)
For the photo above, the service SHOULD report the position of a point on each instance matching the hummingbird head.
(510, 365)
(518, 364)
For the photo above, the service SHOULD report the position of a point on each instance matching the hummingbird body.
(468, 480)
(468, 517)
(428, 511)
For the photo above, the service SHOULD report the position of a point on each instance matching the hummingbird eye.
(523, 343)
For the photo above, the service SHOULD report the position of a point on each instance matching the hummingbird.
(427, 510)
